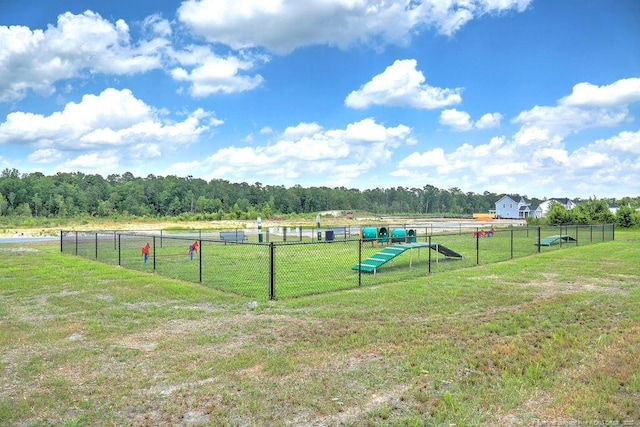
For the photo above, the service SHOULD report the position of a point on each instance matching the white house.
(535, 211)
(512, 207)
(568, 204)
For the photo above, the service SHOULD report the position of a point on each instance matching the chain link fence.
(296, 262)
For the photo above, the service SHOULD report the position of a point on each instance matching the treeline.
(68, 195)
(76, 194)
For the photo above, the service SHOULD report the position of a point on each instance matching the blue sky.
(536, 97)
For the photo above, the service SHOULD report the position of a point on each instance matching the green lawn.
(550, 338)
(311, 267)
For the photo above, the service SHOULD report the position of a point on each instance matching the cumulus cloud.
(537, 156)
(37, 59)
(284, 25)
(215, 74)
(461, 120)
(308, 150)
(113, 119)
(588, 106)
(458, 120)
(619, 93)
(402, 85)
(103, 162)
(85, 44)
(489, 120)
(46, 155)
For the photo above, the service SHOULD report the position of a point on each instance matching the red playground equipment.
(145, 252)
(193, 248)
(483, 233)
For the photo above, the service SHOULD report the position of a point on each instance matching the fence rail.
(264, 267)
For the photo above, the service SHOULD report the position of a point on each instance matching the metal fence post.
(119, 256)
(154, 253)
(512, 243)
(200, 252)
(429, 240)
(477, 247)
(96, 245)
(360, 242)
(539, 234)
(272, 271)
(77, 242)
(61, 248)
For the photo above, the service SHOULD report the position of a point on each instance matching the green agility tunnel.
(403, 235)
(375, 233)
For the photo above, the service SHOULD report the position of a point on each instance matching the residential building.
(512, 206)
(567, 203)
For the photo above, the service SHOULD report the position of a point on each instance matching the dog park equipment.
(375, 234)
(557, 238)
(371, 264)
(403, 235)
(233, 236)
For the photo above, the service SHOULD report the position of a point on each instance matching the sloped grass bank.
(550, 338)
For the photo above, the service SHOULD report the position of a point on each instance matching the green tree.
(4, 204)
(559, 215)
(23, 210)
(593, 211)
(625, 217)
(36, 203)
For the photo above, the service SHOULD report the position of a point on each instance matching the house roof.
(564, 200)
(515, 197)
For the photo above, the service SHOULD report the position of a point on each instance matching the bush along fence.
(246, 264)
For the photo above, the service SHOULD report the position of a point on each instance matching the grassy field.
(547, 339)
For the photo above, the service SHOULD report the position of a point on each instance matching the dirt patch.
(355, 413)
(18, 250)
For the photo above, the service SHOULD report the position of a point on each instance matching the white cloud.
(47, 155)
(266, 130)
(489, 120)
(624, 142)
(103, 162)
(308, 150)
(619, 93)
(100, 123)
(157, 26)
(37, 59)
(563, 119)
(212, 74)
(588, 106)
(537, 158)
(461, 120)
(84, 44)
(402, 85)
(458, 120)
(302, 129)
(284, 25)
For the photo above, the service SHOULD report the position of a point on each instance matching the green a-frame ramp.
(371, 264)
(548, 241)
